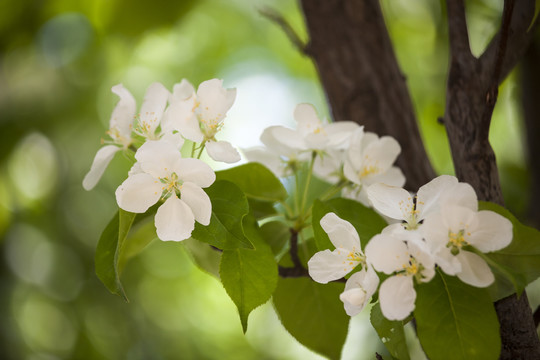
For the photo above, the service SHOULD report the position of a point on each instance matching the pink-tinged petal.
(474, 270)
(214, 100)
(391, 201)
(307, 119)
(138, 192)
(182, 91)
(328, 265)
(397, 297)
(387, 254)
(195, 171)
(124, 112)
(198, 201)
(153, 106)
(341, 233)
(101, 161)
(493, 232)
(158, 157)
(180, 116)
(265, 157)
(222, 151)
(359, 288)
(174, 220)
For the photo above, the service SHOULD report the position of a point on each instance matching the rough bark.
(471, 96)
(355, 59)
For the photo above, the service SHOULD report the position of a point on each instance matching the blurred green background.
(58, 61)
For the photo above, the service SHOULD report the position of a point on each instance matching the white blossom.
(407, 260)
(199, 116)
(161, 173)
(328, 265)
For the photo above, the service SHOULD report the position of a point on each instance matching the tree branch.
(351, 48)
(280, 21)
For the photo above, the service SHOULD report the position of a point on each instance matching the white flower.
(161, 173)
(399, 204)
(151, 112)
(120, 126)
(369, 160)
(328, 265)
(454, 227)
(406, 260)
(199, 116)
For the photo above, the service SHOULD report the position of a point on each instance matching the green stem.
(202, 148)
(334, 190)
(308, 181)
(192, 149)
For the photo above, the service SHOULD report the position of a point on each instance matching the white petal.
(214, 100)
(183, 90)
(180, 116)
(397, 297)
(435, 231)
(493, 232)
(124, 112)
(420, 252)
(359, 288)
(265, 157)
(381, 154)
(174, 220)
(153, 106)
(354, 154)
(222, 151)
(341, 233)
(158, 157)
(392, 177)
(449, 263)
(339, 133)
(101, 161)
(391, 201)
(457, 218)
(328, 265)
(351, 173)
(174, 138)
(138, 192)
(282, 140)
(387, 253)
(307, 119)
(474, 270)
(198, 201)
(328, 167)
(195, 171)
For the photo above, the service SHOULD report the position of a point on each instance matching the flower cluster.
(440, 226)
(166, 123)
(342, 153)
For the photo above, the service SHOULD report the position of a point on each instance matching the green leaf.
(229, 206)
(276, 234)
(458, 319)
(366, 221)
(521, 258)
(261, 209)
(108, 251)
(249, 276)
(536, 12)
(256, 181)
(141, 234)
(391, 333)
(206, 258)
(313, 314)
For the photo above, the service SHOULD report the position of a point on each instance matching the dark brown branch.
(471, 96)
(520, 34)
(536, 317)
(351, 48)
(280, 21)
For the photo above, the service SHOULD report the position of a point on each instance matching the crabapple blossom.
(454, 228)
(161, 173)
(328, 265)
(199, 116)
(369, 160)
(120, 126)
(407, 261)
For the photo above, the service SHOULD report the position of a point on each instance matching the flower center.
(456, 240)
(171, 185)
(413, 268)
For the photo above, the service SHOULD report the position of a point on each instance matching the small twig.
(457, 28)
(280, 21)
(493, 89)
(293, 251)
(378, 356)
